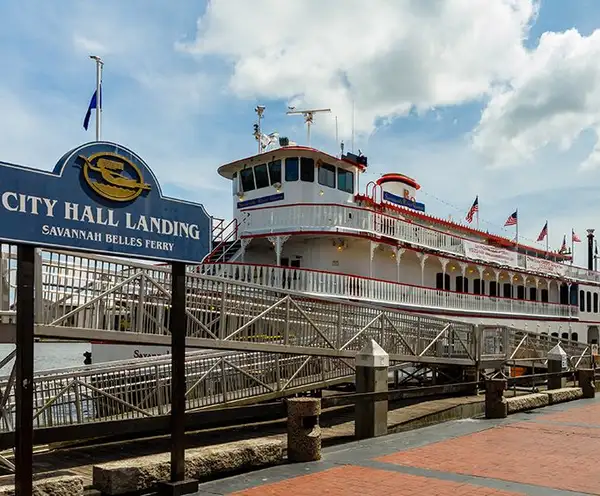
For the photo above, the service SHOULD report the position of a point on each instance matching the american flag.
(543, 232)
(563, 247)
(512, 220)
(474, 208)
(574, 237)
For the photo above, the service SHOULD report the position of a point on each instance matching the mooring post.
(557, 362)
(178, 325)
(24, 366)
(372, 364)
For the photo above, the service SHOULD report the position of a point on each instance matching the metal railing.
(375, 290)
(349, 219)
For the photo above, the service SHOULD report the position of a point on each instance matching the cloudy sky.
(496, 98)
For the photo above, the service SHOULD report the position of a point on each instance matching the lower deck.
(361, 269)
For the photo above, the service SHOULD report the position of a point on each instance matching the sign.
(101, 197)
(486, 253)
(404, 202)
(546, 266)
(260, 201)
(102, 353)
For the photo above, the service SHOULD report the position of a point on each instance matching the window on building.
(307, 170)
(507, 290)
(261, 175)
(595, 302)
(442, 281)
(479, 287)
(327, 175)
(589, 301)
(544, 296)
(247, 177)
(493, 288)
(582, 301)
(521, 292)
(533, 294)
(345, 180)
(275, 171)
(291, 169)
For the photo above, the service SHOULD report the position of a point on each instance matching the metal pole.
(98, 98)
(24, 366)
(178, 324)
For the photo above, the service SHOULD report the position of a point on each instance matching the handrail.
(401, 229)
(355, 287)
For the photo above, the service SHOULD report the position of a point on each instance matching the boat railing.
(313, 217)
(376, 290)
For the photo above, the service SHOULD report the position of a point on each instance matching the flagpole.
(517, 229)
(572, 246)
(99, 65)
(547, 240)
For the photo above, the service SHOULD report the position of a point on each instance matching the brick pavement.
(551, 452)
(360, 481)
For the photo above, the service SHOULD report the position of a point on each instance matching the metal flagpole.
(517, 229)
(572, 246)
(99, 65)
(547, 240)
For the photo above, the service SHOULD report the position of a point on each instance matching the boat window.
(595, 302)
(478, 287)
(574, 336)
(234, 183)
(462, 284)
(493, 288)
(564, 294)
(345, 180)
(275, 171)
(442, 281)
(589, 301)
(565, 335)
(247, 177)
(582, 301)
(508, 290)
(307, 170)
(262, 177)
(291, 169)
(521, 292)
(327, 175)
(533, 294)
(544, 296)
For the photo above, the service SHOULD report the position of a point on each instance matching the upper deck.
(297, 190)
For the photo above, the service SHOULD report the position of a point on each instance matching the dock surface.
(552, 451)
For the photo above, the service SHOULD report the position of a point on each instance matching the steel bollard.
(303, 430)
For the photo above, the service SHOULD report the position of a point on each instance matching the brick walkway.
(549, 452)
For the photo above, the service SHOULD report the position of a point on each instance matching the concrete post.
(303, 430)
(585, 378)
(495, 403)
(557, 362)
(372, 364)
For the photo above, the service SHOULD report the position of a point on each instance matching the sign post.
(24, 372)
(101, 198)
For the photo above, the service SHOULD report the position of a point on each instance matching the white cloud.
(552, 100)
(389, 56)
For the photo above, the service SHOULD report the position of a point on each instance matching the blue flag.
(93, 105)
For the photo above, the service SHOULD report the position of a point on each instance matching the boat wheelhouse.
(303, 221)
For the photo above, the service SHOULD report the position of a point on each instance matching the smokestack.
(590, 237)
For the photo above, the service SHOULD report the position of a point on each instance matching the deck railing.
(349, 219)
(375, 290)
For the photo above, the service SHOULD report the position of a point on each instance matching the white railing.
(347, 219)
(375, 290)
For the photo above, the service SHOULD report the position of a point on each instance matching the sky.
(495, 98)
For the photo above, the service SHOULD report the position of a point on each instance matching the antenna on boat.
(308, 118)
(260, 110)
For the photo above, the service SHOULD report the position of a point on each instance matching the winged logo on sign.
(113, 176)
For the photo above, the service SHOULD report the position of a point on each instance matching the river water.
(51, 355)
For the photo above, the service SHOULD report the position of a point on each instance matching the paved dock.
(553, 451)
